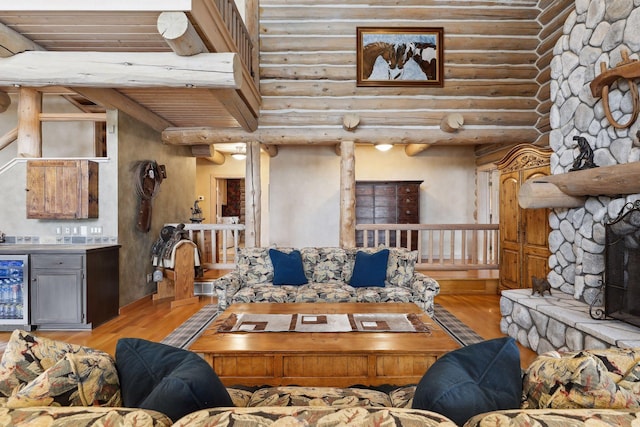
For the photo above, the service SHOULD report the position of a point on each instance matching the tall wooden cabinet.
(524, 233)
(388, 202)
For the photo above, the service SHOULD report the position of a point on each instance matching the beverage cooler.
(14, 292)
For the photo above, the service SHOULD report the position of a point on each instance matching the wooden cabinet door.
(510, 246)
(57, 289)
(535, 236)
(62, 189)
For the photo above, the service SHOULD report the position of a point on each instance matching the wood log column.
(347, 195)
(253, 196)
(29, 128)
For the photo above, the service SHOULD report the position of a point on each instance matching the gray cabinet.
(57, 291)
(74, 290)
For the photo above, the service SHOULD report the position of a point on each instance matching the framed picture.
(388, 56)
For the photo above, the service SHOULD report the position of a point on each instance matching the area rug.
(190, 330)
(454, 327)
(318, 322)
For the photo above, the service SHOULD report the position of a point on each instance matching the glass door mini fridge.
(14, 292)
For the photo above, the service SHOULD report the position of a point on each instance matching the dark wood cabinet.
(387, 202)
(62, 189)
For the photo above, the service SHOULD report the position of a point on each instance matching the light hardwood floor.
(154, 321)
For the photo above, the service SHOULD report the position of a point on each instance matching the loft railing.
(238, 31)
(218, 243)
(439, 246)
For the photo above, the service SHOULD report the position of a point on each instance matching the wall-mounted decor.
(388, 56)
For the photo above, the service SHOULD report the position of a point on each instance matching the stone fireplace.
(598, 31)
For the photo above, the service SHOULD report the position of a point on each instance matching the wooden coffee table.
(337, 359)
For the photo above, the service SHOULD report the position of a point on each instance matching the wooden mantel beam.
(332, 136)
(566, 189)
(122, 69)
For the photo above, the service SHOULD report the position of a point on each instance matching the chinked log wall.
(492, 55)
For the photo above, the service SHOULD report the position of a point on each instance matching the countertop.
(18, 249)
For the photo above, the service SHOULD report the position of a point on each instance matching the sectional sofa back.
(324, 264)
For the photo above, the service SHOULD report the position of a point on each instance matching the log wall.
(495, 69)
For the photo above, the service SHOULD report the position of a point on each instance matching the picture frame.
(396, 56)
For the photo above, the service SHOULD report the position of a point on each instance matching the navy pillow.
(478, 378)
(166, 379)
(370, 269)
(287, 268)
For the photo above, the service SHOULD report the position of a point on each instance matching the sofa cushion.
(75, 380)
(319, 396)
(265, 292)
(287, 268)
(478, 378)
(28, 356)
(401, 266)
(68, 416)
(370, 269)
(326, 264)
(313, 416)
(608, 378)
(167, 379)
(254, 265)
(325, 292)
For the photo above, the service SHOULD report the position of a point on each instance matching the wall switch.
(149, 277)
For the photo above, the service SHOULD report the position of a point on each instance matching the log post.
(253, 196)
(8, 138)
(5, 101)
(347, 195)
(29, 127)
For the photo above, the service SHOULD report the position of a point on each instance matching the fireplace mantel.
(568, 190)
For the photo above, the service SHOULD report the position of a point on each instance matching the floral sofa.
(48, 383)
(328, 271)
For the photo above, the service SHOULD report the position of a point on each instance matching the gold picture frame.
(390, 56)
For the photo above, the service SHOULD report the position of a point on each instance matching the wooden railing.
(439, 246)
(218, 243)
(238, 31)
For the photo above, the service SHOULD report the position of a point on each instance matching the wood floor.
(154, 321)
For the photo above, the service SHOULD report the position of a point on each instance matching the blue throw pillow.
(166, 379)
(478, 378)
(287, 268)
(370, 269)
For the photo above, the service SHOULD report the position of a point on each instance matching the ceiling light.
(383, 147)
(240, 153)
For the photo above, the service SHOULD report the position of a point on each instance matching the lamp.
(383, 146)
(240, 153)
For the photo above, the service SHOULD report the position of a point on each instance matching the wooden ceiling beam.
(180, 35)
(332, 136)
(12, 42)
(122, 69)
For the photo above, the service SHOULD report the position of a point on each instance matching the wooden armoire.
(524, 233)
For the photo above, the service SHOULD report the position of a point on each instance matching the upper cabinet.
(62, 189)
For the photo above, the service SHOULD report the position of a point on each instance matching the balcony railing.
(237, 30)
(439, 246)
(218, 243)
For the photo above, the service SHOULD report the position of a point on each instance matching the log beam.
(414, 149)
(8, 138)
(179, 34)
(208, 152)
(111, 98)
(271, 150)
(122, 69)
(452, 122)
(12, 42)
(5, 101)
(29, 128)
(364, 135)
(536, 194)
(234, 104)
(614, 180)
